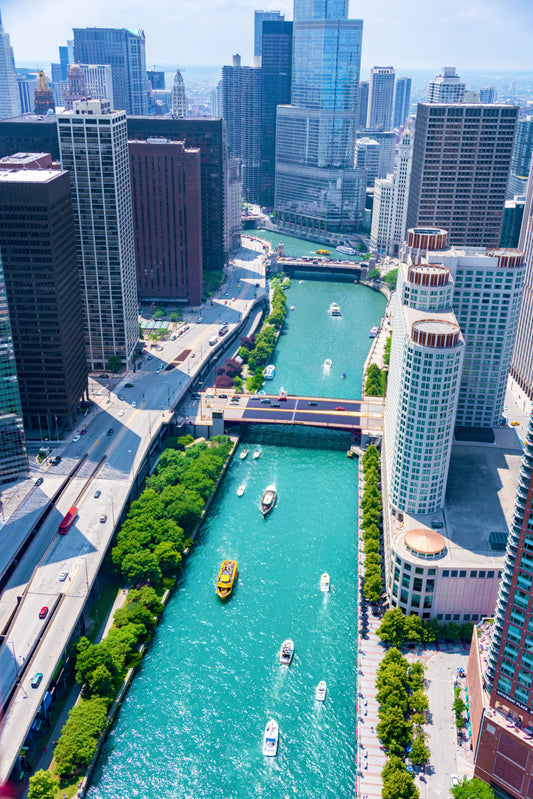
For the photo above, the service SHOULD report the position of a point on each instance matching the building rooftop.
(425, 541)
(479, 500)
(29, 175)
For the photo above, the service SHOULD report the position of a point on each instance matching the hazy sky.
(484, 34)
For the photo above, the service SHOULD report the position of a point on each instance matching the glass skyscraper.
(13, 461)
(317, 187)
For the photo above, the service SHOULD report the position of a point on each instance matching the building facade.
(521, 160)
(522, 362)
(276, 72)
(94, 149)
(167, 220)
(124, 51)
(446, 87)
(260, 17)
(362, 110)
(513, 215)
(9, 93)
(99, 82)
(13, 458)
(500, 666)
(179, 100)
(37, 242)
(318, 190)
(77, 88)
(31, 133)
(380, 98)
(461, 160)
(402, 101)
(389, 214)
(207, 135)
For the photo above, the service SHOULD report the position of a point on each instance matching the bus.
(68, 521)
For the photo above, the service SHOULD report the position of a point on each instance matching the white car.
(63, 576)
(134, 404)
(121, 413)
(76, 438)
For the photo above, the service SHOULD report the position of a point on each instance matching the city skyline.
(445, 33)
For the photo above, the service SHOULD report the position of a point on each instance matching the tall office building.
(380, 98)
(402, 101)
(241, 110)
(362, 110)
(64, 61)
(318, 190)
(446, 87)
(9, 93)
(521, 159)
(27, 86)
(513, 215)
(156, 79)
(124, 51)
(13, 459)
(233, 203)
(461, 159)
(261, 17)
(31, 133)
(389, 214)
(94, 149)
(99, 82)
(488, 95)
(522, 362)
(209, 137)
(276, 72)
(43, 291)
(179, 100)
(367, 157)
(77, 88)
(44, 97)
(500, 666)
(167, 220)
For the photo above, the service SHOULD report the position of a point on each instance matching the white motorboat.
(269, 499)
(327, 362)
(373, 332)
(345, 250)
(241, 489)
(334, 309)
(292, 307)
(257, 453)
(269, 372)
(286, 652)
(321, 691)
(271, 738)
(324, 582)
(244, 453)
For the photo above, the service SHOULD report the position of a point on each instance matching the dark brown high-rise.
(461, 162)
(38, 247)
(167, 219)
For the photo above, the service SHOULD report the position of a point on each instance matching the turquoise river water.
(192, 723)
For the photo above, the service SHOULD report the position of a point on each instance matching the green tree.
(373, 274)
(391, 278)
(413, 628)
(141, 566)
(79, 737)
(399, 785)
(43, 785)
(373, 586)
(100, 682)
(114, 363)
(386, 352)
(175, 316)
(392, 627)
(419, 754)
(472, 789)
(393, 729)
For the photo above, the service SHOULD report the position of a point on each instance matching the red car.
(43, 612)
(339, 408)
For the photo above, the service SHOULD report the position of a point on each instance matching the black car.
(223, 396)
(104, 377)
(128, 385)
(110, 431)
(39, 481)
(55, 461)
(196, 396)
(312, 403)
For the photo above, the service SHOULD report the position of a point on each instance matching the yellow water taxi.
(226, 578)
(322, 252)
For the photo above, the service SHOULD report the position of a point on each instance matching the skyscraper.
(43, 291)
(77, 88)
(179, 100)
(362, 105)
(500, 666)
(318, 190)
(461, 160)
(13, 459)
(124, 51)
(167, 219)
(389, 214)
(521, 160)
(259, 18)
(9, 93)
(446, 87)
(402, 101)
(94, 149)
(276, 72)
(241, 109)
(522, 362)
(44, 97)
(380, 98)
(99, 82)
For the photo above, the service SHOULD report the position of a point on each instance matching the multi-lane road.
(115, 443)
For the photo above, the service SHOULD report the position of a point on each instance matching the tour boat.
(226, 578)
(321, 690)
(334, 309)
(241, 489)
(269, 372)
(322, 252)
(324, 582)
(257, 453)
(269, 500)
(373, 332)
(346, 250)
(270, 739)
(286, 652)
(327, 362)
(244, 453)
